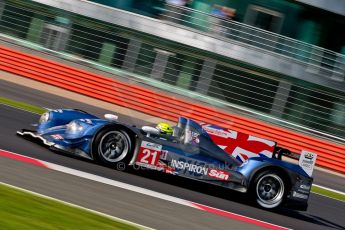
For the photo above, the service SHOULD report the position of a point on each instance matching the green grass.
(22, 210)
(328, 193)
(22, 105)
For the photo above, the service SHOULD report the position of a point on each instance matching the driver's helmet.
(164, 128)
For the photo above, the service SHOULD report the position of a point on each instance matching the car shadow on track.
(305, 216)
(229, 195)
(195, 190)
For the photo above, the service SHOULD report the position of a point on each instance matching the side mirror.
(111, 117)
(150, 130)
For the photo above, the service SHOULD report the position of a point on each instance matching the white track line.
(329, 189)
(328, 197)
(14, 107)
(133, 188)
(77, 206)
(118, 184)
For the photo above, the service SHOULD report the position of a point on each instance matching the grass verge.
(22, 210)
(328, 193)
(22, 105)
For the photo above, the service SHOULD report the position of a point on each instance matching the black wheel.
(269, 189)
(112, 147)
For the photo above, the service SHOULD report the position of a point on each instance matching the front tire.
(113, 147)
(269, 189)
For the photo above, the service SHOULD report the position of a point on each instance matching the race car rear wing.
(279, 152)
(306, 160)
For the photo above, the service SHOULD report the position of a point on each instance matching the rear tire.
(113, 147)
(269, 189)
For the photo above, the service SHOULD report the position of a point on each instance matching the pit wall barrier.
(330, 155)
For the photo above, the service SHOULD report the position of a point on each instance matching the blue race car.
(201, 152)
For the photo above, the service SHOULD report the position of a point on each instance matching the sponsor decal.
(56, 137)
(307, 161)
(198, 169)
(299, 195)
(309, 156)
(149, 154)
(164, 155)
(190, 167)
(216, 132)
(150, 145)
(218, 174)
(161, 166)
(306, 187)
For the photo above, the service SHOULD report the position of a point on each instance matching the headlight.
(44, 117)
(74, 127)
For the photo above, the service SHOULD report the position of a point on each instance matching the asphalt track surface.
(323, 213)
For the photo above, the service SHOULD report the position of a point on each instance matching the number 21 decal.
(149, 153)
(149, 157)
